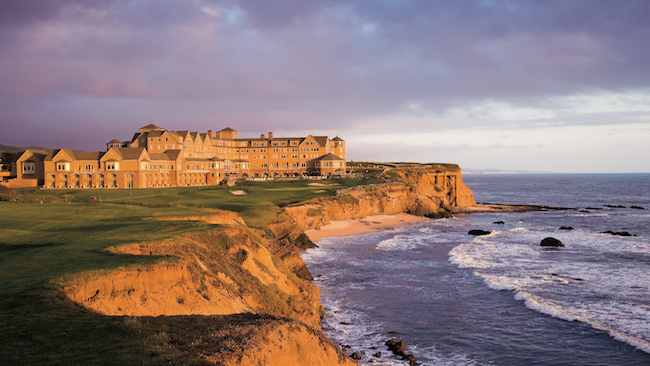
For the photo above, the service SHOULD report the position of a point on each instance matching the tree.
(7, 157)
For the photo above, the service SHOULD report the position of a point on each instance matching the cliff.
(234, 269)
(418, 192)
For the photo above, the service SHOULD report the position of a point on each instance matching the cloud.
(301, 66)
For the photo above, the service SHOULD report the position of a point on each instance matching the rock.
(617, 206)
(584, 211)
(618, 233)
(499, 222)
(637, 207)
(355, 356)
(566, 228)
(410, 359)
(378, 355)
(593, 208)
(479, 232)
(395, 346)
(551, 242)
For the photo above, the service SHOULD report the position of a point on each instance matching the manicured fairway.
(44, 242)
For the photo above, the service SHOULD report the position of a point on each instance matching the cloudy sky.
(554, 85)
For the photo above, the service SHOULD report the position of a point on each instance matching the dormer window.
(29, 167)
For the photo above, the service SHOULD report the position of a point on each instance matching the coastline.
(378, 223)
(368, 224)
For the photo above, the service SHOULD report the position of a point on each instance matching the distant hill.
(14, 149)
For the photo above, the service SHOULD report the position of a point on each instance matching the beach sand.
(362, 226)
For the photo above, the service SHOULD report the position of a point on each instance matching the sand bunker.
(239, 193)
(320, 191)
(323, 184)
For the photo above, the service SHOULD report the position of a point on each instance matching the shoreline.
(369, 224)
(376, 223)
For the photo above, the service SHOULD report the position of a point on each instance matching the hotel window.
(304, 165)
(294, 156)
(265, 165)
(29, 167)
(89, 167)
(263, 157)
(262, 150)
(275, 156)
(304, 156)
(314, 149)
(112, 166)
(275, 144)
(284, 156)
(63, 166)
(294, 143)
(275, 150)
(294, 149)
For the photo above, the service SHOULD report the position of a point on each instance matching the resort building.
(156, 157)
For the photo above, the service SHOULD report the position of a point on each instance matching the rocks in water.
(551, 242)
(593, 208)
(617, 206)
(377, 355)
(410, 359)
(618, 233)
(566, 228)
(355, 356)
(395, 346)
(398, 348)
(479, 232)
(637, 207)
(499, 222)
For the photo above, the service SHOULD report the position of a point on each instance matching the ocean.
(501, 299)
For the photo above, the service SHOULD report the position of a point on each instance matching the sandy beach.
(361, 226)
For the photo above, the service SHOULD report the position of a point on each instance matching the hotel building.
(156, 157)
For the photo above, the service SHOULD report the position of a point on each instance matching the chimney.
(210, 135)
(270, 135)
(262, 137)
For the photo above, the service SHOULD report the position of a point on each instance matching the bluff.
(421, 192)
(239, 268)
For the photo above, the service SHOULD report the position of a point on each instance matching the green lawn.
(42, 242)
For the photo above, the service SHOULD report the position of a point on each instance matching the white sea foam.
(595, 280)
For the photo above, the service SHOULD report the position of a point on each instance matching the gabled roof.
(337, 139)
(329, 157)
(127, 153)
(30, 155)
(88, 155)
(173, 154)
(321, 140)
(151, 126)
(57, 152)
(228, 129)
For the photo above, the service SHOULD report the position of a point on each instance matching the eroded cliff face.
(226, 271)
(413, 192)
(286, 344)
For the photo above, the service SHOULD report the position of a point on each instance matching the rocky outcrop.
(420, 193)
(551, 242)
(478, 232)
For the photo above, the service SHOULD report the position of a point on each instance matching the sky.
(556, 85)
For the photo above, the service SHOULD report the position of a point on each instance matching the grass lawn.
(42, 242)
